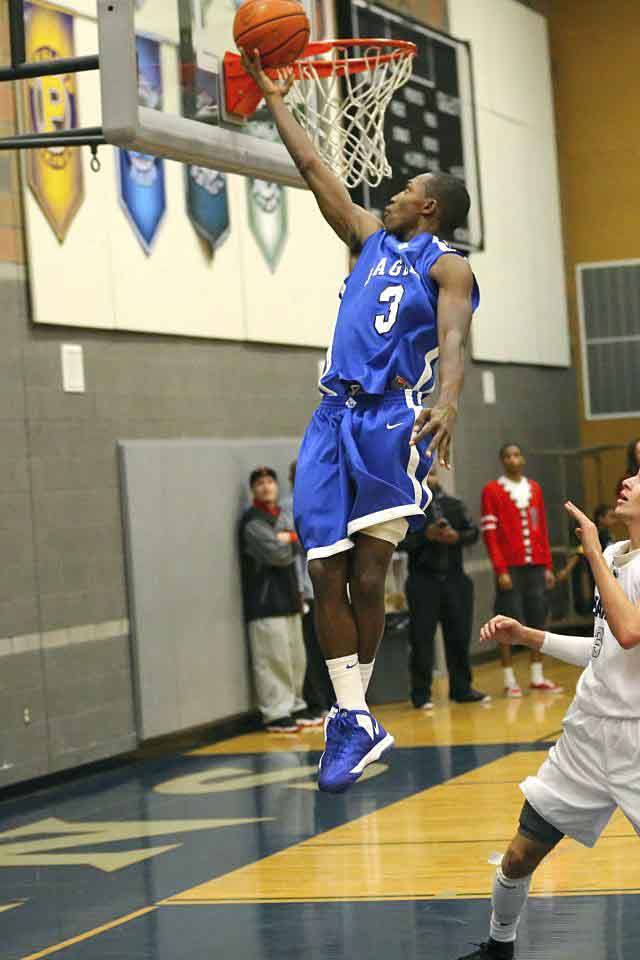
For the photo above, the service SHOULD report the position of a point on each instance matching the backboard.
(160, 74)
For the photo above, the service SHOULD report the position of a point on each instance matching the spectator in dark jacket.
(439, 591)
(272, 605)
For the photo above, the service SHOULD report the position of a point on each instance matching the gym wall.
(65, 649)
(597, 86)
(523, 314)
(101, 277)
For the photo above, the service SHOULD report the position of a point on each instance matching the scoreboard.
(430, 122)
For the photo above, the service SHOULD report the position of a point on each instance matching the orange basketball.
(279, 29)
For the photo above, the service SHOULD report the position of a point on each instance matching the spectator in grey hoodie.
(272, 606)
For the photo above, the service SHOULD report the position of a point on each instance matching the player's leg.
(533, 841)
(336, 628)
(536, 608)
(570, 795)
(322, 502)
(354, 737)
(369, 566)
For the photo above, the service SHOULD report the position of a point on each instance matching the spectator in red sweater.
(514, 527)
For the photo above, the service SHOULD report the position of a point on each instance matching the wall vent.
(609, 314)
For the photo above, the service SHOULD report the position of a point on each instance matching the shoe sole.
(374, 754)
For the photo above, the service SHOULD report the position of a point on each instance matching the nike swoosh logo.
(392, 426)
(350, 666)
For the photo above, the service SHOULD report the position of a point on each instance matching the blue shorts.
(356, 469)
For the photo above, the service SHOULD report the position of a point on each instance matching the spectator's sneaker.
(308, 718)
(513, 692)
(420, 696)
(354, 740)
(426, 706)
(282, 725)
(547, 685)
(472, 696)
(491, 950)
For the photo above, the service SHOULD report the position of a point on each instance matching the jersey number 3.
(391, 295)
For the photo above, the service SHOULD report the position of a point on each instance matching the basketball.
(278, 29)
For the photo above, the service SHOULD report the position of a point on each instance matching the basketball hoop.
(339, 99)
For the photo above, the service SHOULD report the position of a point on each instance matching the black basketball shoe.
(491, 950)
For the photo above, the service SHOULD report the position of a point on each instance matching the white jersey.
(610, 685)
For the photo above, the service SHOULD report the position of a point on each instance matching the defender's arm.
(623, 615)
(352, 223)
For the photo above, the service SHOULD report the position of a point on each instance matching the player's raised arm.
(455, 282)
(352, 223)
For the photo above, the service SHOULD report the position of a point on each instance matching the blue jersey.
(386, 333)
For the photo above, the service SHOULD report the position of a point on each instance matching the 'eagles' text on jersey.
(386, 332)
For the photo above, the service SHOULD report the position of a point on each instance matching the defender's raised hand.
(586, 531)
(504, 630)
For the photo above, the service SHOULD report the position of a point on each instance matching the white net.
(343, 112)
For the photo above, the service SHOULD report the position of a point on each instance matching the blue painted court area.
(78, 857)
(566, 928)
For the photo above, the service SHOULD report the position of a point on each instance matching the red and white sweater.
(514, 524)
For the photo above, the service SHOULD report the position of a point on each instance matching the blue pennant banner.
(141, 176)
(207, 203)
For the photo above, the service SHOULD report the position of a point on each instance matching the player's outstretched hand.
(439, 421)
(586, 531)
(504, 630)
(253, 66)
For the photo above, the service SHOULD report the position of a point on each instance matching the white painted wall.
(100, 277)
(523, 312)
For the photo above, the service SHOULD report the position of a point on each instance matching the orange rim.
(243, 96)
(398, 50)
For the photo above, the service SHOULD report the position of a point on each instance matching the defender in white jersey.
(593, 768)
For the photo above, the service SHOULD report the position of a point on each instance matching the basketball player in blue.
(362, 469)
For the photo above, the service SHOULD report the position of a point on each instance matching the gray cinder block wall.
(65, 667)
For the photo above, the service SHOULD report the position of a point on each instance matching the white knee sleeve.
(393, 531)
(509, 898)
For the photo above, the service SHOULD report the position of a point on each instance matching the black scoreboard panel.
(430, 122)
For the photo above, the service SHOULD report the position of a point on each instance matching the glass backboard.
(160, 66)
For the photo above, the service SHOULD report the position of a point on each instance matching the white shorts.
(592, 769)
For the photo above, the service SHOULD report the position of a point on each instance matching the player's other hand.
(253, 66)
(586, 531)
(505, 582)
(549, 579)
(504, 630)
(439, 421)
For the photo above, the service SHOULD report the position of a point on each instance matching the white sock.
(347, 684)
(366, 669)
(509, 677)
(508, 900)
(537, 675)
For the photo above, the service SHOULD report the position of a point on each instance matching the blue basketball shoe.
(354, 739)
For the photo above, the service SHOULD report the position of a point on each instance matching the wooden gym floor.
(231, 850)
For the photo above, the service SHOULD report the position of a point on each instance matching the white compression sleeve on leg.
(576, 650)
(508, 900)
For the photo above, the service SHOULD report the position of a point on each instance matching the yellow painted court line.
(395, 898)
(89, 934)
